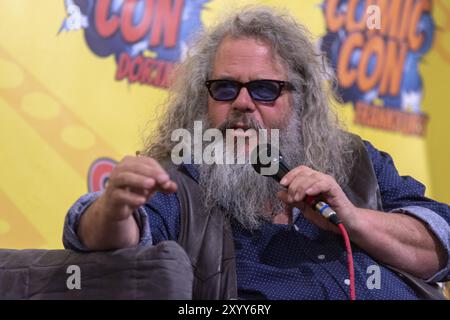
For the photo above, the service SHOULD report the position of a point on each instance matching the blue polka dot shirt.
(300, 261)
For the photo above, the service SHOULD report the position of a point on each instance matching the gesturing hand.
(131, 183)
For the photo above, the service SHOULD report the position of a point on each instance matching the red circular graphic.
(99, 173)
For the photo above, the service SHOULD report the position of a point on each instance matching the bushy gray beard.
(238, 191)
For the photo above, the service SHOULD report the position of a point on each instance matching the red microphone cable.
(329, 214)
(351, 269)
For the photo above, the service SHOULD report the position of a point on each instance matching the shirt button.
(321, 257)
(347, 282)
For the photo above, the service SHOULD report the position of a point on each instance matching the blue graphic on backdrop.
(146, 37)
(380, 67)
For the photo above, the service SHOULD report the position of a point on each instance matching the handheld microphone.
(264, 152)
(277, 159)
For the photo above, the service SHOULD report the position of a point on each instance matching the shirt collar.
(192, 169)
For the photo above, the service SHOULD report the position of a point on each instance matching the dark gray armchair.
(152, 272)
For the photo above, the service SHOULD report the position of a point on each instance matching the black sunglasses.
(260, 90)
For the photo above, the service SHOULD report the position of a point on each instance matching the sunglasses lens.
(224, 90)
(264, 90)
(260, 90)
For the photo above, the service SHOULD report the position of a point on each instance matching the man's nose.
(244, 101)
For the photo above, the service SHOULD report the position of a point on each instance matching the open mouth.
(240, 126)
(241, 130)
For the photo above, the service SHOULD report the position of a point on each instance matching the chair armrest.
(162, 271)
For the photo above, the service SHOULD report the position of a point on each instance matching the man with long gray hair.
(249, 236)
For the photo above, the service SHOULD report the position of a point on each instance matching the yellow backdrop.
(61, 109)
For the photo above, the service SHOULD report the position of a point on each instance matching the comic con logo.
(146, 37)
(378, 68)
